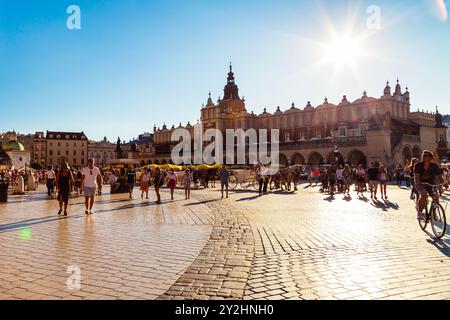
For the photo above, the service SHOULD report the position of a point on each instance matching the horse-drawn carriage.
(283, 178)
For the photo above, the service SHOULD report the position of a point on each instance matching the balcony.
(411, 138)
(325, 143)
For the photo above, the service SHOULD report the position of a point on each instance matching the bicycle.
(434, 214)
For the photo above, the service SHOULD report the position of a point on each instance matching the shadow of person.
(363, 198)
(391, 205)
(442, 245)
(330, 198)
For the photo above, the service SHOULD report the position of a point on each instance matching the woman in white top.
(50, 177)
(145, 183)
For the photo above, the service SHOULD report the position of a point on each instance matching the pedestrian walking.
(64, 182)
(372, 177)
(171, 178)
(316, 176)
(187, 181)
(131, 181)
(224, 177)
(145, 183)
(382, 179)
(347, 175)
(50, 177)
(91, 179)
(157, 181)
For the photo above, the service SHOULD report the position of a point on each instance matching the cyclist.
(426, 172)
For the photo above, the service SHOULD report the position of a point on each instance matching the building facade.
(71, 147)
(15, 151)
(446, 122)
(102, 151)
(39, 152)
(365, 130)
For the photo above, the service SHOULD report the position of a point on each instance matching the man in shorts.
(91, 179)
(426, 173)
(372, 177)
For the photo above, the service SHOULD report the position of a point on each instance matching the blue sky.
(136, 63)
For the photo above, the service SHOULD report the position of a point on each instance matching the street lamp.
(336, 153)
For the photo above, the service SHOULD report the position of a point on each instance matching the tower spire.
(231, 90)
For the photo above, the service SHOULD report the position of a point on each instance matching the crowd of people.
(65, 181)
(376, 177)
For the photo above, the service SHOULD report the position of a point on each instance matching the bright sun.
(342, 51)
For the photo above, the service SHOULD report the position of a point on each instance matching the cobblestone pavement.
(126, 250)
(303, 245)
(222, 268)
(312, 246)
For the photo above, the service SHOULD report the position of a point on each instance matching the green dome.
(13, 146)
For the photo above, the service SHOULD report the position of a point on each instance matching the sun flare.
(343, 51)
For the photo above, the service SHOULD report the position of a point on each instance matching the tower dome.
(13, 146)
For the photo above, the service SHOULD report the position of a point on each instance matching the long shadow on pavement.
(442, 245)
(27, 223)
(385, 206)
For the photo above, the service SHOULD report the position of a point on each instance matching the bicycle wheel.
(232, 182)
(245, 184)
(255, 184)
(438, 220)
(424, 221)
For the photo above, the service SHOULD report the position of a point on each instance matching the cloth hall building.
(369, 129)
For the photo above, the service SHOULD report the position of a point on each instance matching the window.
(59, 153)
(287, 137)
(51, 144)
(51, 136)
(343, 132)
(67, 144)
(74, 137)
(67, 152)
(67, 137)
(82, 153)
(318, 135)
(74, 160)
(59, 144)
(58, 137)
(74, 152)
(441, 138)
(74, 144)
(82, 161)
(51, 152)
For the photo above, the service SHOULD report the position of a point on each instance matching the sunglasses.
(427, 156)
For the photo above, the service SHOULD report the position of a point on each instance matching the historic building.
(39, 152)
(71, 147)
(446, 122)
(15, 151)
(102, 151)
(364, 130)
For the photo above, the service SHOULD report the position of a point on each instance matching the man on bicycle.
(426, 173)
